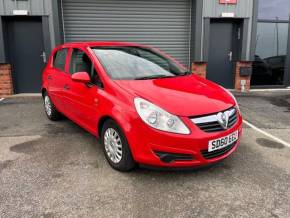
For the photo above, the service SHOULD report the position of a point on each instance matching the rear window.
(59, 59)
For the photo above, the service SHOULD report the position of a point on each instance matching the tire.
(49, 108)
(116, 147)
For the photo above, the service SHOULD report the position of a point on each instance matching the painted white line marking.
(267, 134)
(270, 90)
(1, 99)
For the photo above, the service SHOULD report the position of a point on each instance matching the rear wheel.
(116, 147)
(50, 110)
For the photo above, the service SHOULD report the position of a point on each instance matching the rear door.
(58, 77)
(83, 99)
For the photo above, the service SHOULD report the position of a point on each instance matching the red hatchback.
(144, 106)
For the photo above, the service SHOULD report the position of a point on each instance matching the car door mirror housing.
(81, 77)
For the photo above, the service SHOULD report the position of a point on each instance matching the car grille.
(209, 155)
(210, 123)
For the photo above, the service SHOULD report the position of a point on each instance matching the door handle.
(49, 77)
(66, 87)
(43, 55)
(230, 56)
(96, 101)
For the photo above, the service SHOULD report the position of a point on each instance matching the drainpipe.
(62, 20)
(277, 35)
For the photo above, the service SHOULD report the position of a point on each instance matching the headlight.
(158, 118)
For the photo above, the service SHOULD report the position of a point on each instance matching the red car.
(144, 106)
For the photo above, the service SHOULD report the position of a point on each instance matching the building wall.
(43, 8)
(201, 13)
(203, 9)
(35, 7)
(244, 9)
(48, 10)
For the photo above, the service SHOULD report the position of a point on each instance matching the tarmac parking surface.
(56, 169)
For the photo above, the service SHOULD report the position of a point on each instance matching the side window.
(59, 59)
(80, 62)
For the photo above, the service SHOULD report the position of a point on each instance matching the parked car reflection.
(268, 71)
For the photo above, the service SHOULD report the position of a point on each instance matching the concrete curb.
(24, 95)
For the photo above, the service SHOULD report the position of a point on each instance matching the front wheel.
(116, 147)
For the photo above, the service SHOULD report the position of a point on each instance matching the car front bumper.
(157, 148)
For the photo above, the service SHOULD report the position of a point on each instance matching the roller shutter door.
(164, 24)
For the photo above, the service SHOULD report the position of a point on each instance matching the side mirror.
(82, 77)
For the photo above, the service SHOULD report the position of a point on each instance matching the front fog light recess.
(158, 118)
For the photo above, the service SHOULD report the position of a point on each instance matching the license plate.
(223, 142)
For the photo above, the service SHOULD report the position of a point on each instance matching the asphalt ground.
(56, 169)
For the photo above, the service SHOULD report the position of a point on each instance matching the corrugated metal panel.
(164, 24)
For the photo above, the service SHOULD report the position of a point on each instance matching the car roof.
(102, 43)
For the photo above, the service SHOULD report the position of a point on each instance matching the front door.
(223, 39)
(82, 100)
(25, 49)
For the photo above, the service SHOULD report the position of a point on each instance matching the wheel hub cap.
(47, 105)
(113, 145)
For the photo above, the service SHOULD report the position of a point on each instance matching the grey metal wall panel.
(46, 35)
(37, 8)
(56, 19)
(2, 49)
(2, 6)
(25, 5)
(34, 7)
(197, 31)
(164, 24)
(243, 9)
(254, 30)
(193, 31)
(7, 7)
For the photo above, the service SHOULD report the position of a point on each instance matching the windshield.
(128, 63)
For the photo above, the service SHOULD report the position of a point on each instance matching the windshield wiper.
(184, 73)
(153, 77)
